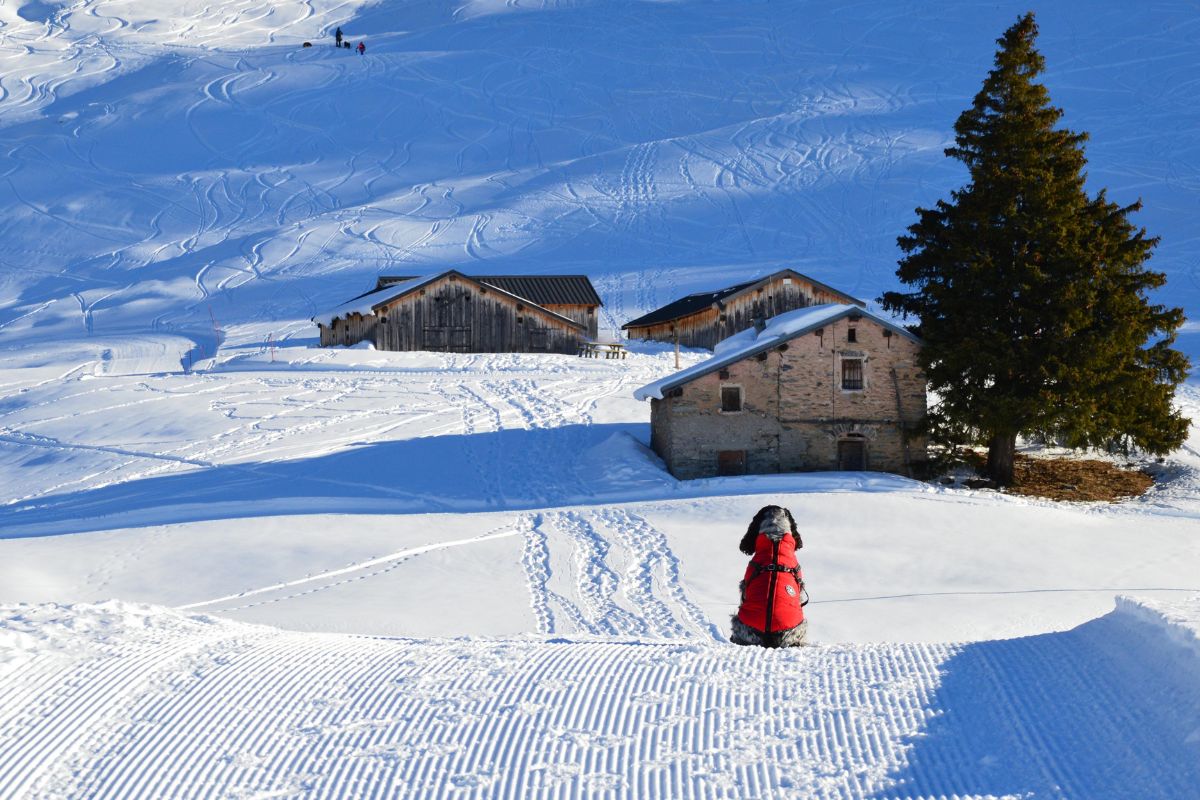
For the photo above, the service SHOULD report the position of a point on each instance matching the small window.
(852, 374)
(852, 335)
(731, 398)
(723, 375)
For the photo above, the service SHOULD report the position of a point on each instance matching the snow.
(233, 564)
(387, 611)
(185, 169)
(365, 304)
(199, 707)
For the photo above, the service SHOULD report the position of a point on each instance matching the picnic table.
(602, 350)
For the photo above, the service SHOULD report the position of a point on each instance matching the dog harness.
(773, 598)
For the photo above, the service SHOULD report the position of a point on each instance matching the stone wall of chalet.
(795, 411)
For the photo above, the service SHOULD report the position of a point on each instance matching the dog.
(771, 613)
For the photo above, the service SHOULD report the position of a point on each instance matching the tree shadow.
(1108, 709)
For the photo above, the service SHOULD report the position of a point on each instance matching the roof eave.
(720, 363)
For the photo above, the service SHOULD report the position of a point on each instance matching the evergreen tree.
(1031, 296)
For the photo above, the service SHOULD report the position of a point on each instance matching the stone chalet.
(829, 387)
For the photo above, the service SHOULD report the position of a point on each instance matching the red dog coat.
(771, 600)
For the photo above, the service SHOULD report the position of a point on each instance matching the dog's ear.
(747, 544)
(795, 530)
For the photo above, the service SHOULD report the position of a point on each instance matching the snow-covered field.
(479, 582)
(234, 565)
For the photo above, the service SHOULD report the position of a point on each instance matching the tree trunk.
(1001, 449)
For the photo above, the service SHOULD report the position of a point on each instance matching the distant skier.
(362, 48)
(773, 597)
(338, 36)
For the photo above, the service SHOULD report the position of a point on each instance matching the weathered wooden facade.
(825, 388)
(450, 312)
(705, 318)
(570, 296)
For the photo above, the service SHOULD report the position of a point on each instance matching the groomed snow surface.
(121, 700)
(233, 565)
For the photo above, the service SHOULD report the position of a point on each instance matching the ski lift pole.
(216, 331)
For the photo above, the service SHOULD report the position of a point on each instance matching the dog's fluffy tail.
(745, 635)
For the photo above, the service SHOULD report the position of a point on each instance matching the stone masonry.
(795, 414)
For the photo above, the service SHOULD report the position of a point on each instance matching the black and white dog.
(771, 613)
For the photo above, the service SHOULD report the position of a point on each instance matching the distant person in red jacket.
(362, 48)
(773, 596)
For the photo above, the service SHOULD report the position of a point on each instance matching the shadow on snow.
(494, 471)
(1107, 709)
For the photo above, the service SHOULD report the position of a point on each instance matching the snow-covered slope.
(188, 168)
(182, 185)
(333, 490)
(119, 700)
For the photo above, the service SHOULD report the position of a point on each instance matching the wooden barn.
(832, 387)
(571, 296)
(705, 318)
(453, 312)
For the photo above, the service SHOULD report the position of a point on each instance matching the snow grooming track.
(120, 700)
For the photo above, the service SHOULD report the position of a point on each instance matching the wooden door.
(852, 455)
(731, 462)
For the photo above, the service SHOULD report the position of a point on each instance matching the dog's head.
(773, 521)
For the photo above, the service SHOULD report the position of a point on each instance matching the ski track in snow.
(194, 707)
(729, 142)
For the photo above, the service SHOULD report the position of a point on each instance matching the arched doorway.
(852, 452)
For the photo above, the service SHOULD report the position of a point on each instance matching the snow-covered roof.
(750, 342)
(364, 304)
